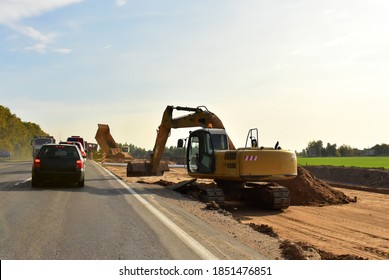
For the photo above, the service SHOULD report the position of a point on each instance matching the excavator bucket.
(107, 143)
(137, 168)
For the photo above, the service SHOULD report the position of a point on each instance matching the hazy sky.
(297, 70)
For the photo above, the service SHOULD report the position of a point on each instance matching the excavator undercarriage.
(268, 196)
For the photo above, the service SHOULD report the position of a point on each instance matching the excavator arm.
(198, 117)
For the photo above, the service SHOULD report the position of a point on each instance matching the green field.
(377, 162)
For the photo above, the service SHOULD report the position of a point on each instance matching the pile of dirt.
(370, 177)
(304, 251)
(118, 158)
(265, 229)
(306, 189)
(160, 182)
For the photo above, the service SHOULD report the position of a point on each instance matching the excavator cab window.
(200, 153)
(220, 141)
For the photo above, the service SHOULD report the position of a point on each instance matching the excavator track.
(215, 194)
(212, 193)
(270, 196)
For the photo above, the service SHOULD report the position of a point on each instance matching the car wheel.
(34, 182)
(81, 183)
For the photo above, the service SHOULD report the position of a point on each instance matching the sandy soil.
(360, 228)
(318, 231)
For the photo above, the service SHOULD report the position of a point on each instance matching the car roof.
(71, 143)
(61, 145)
(53, 145)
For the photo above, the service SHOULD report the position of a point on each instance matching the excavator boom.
(198, 117)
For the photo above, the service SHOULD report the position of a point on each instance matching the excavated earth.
(329, 217)
(369, 179)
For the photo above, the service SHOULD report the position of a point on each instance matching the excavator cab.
(202, 144)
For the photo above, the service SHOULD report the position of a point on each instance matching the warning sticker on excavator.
(250, 158)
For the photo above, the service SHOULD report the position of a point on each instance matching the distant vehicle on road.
(125, 149)
(38, 142)
(5, 154)
(78, 139)
(79, 146)
(58, 163)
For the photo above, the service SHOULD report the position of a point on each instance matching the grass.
(369, 162)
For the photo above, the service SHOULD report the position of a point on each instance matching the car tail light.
(37, 163)
(79, 164)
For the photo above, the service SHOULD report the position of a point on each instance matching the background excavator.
(212, 155)
(107, 144)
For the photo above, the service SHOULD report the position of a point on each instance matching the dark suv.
(60, 163)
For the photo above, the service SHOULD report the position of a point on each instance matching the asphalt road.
(105, 220)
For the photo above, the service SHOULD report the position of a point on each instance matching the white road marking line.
(186, 238)
(22, 182)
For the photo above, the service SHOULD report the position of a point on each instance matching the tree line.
(16, 135)
(317, 149)
(170, 153)
(313, 149)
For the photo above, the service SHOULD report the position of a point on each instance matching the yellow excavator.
(210, 154)
(108, 145)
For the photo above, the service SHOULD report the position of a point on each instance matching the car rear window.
(78, 144)
(59, 152)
